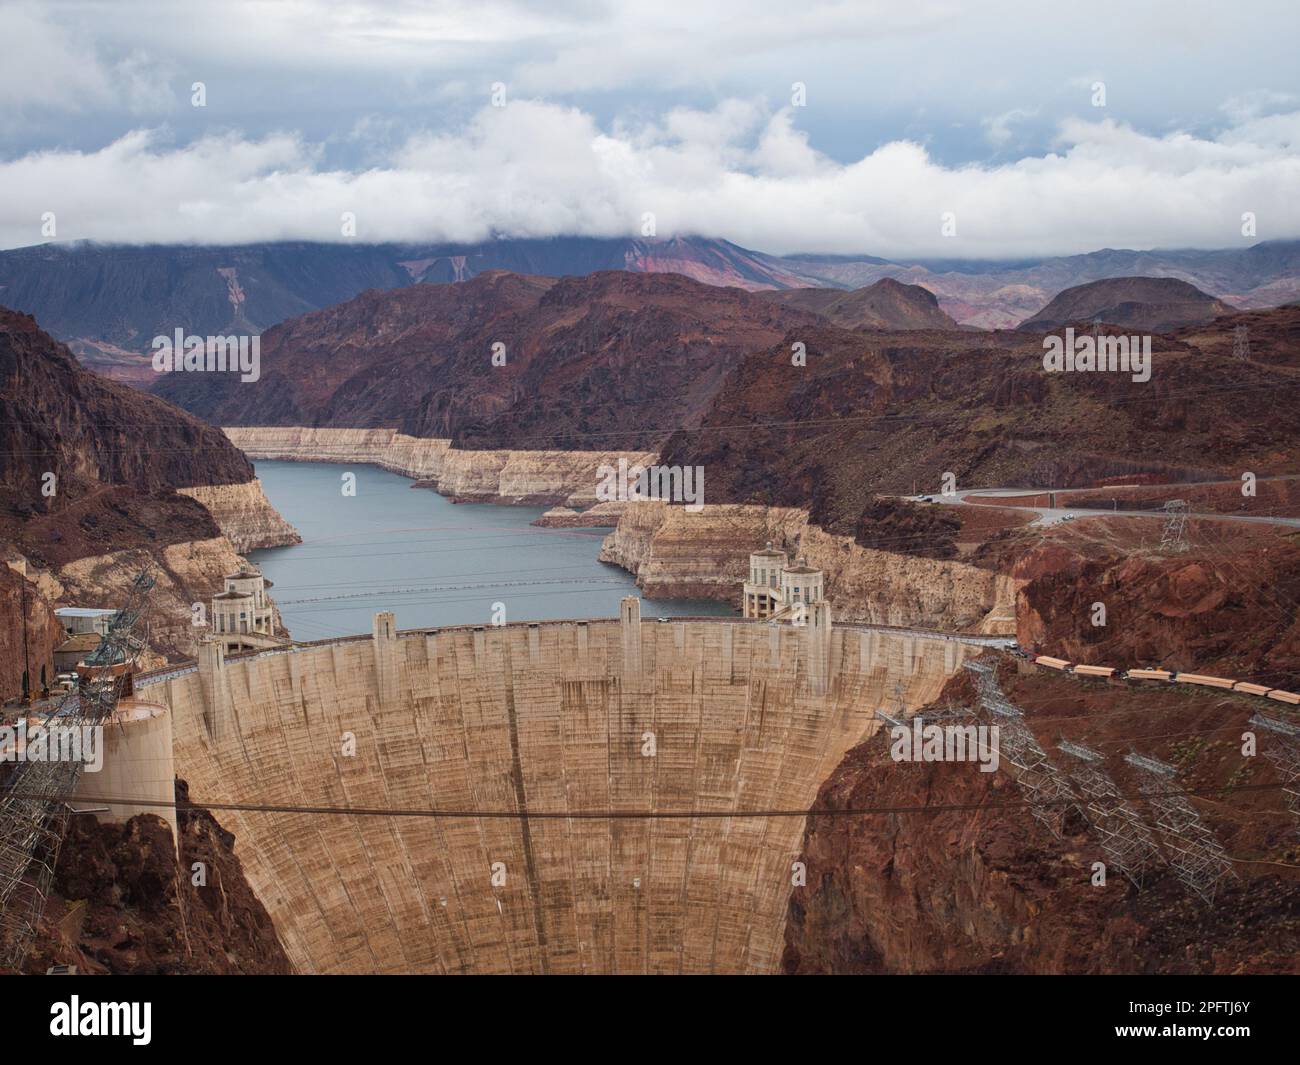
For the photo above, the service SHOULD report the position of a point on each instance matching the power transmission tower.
(1196, 856)
(1174, 536)
(33, 806)
(1045, 789)
(1125, 839)
(950, 711)
(1241, 342)
(1283, 751)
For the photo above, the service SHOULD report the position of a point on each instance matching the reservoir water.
(430, 561)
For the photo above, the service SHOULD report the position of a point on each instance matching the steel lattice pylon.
(33, 807)
(1196, 856)
(1172, 537)
(1241, 342)
(1125, 839)
(1283, 751)
(1048, 794)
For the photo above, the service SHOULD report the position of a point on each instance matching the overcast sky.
(682, 110)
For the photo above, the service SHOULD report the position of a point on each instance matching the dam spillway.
(544, 718)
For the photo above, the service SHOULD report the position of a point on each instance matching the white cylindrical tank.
(136, 763)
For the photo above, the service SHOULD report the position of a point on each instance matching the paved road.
(1055, 515)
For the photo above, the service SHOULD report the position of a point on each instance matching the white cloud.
(48, 67)
(740, 171)
(998, 128)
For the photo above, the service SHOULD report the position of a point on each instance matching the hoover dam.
(604, 796)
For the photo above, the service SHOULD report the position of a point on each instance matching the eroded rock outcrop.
(602, 515)
(244, 515)
(1200, 610)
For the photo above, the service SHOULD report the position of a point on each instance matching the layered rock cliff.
(676, 553)
(244, 514)
(501, 476)
(59, 420)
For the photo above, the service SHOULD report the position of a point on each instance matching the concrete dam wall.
(564, 718)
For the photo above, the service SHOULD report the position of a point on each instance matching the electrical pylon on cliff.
(1173, 538)
(34, 802)
(1196, 856)
(1126, 841)
(1046, 791)
(1241, 343)
(1283, 750)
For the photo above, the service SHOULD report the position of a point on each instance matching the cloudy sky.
(912, 111)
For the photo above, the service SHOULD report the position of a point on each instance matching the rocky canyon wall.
(244, 515)
(674, 552)
(501, 476)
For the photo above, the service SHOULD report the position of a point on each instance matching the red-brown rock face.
(1229, 611)
(979, 886)
(44, 633)
(56, 417)
(121, 905)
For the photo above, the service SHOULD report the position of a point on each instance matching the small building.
(79, 619)
(72, 652)
(243, 618)
(775, 588)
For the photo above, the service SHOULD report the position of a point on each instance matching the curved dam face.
(563, 718)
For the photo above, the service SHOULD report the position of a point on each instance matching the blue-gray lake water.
(430, 561)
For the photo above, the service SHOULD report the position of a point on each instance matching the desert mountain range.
(108, 302)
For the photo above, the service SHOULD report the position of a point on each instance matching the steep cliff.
(975, 884)
(100, 480)
(244, 515)
(122, 903)
(56, 418)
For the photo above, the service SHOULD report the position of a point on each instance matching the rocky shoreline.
(499, 476)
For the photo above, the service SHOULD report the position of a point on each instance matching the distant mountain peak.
(1157, 304)
(886, 304)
